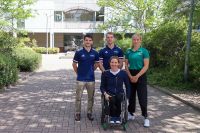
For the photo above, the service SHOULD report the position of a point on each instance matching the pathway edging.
(195, 106)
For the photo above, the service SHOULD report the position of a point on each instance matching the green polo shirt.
(136, 58)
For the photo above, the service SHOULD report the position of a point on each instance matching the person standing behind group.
(85, 62)
(136, 65)
(108, 51)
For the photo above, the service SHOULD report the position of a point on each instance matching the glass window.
(79, 15)
(100, 15)
(58, 16)
(20, 24)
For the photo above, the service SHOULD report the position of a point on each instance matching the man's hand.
(107, 96)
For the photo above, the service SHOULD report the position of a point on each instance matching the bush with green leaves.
(7, 41)
(124, 44)
(8, 70)
(194, 63)
(167, 50)
(166, 44)
(27, 59)
(43, 50)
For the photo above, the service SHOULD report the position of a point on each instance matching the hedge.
(27, 59)
(43, 50)
(8, 70)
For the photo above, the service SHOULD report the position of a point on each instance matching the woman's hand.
(107, 96)
(134, 79)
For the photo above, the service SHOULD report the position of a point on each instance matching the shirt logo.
(140, 53)
(91, 55)
(82, 55)
(106, 52)
(116, 52)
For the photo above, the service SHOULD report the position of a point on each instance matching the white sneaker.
(112, 122)
(130, 116)
(146, 122)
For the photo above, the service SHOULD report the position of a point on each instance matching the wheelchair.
(105, 117)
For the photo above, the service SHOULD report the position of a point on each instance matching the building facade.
(62, 23)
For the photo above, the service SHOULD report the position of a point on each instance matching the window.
(58, 16)
(79, 15)
(20, 24)
(100, 15)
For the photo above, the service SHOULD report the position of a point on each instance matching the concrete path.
(45, 104)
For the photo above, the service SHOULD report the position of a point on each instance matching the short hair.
(114, 57)
(88, 35)
(138, 35)
(110, 33)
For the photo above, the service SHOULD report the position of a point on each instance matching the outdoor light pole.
(188, 41)
(47, 36)
(47, 32)
(104, 33)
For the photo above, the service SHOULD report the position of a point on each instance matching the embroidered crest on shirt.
(116, 52)
(91, 55)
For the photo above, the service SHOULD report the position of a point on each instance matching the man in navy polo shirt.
(108, 51)
(85, 61)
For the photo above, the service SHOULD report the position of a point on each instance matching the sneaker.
(112, 120)
(118, 120)
(146, 122)
(77, 117)
(131, 116)
(90, 117)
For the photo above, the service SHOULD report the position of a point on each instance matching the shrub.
(27, 59)
(43, 50)
(7, 41)
(124, 44)
(98, 48)
(8, 70)
(166, 44)
(194, 66)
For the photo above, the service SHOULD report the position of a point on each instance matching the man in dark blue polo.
(108, 51)
(84, 64)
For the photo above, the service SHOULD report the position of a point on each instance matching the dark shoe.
(77, 117)
(90, 117)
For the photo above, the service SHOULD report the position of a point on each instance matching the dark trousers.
(115, 105)
(141, 88)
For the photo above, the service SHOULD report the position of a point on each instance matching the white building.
(65, 21)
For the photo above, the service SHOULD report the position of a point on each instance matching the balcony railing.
(76, 25)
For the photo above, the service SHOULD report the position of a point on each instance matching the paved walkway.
(45, 104)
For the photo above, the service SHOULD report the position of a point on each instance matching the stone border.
(194, 106)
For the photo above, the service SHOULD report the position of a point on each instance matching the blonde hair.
(136, 35)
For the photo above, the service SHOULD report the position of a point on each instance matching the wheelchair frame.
(105, 118)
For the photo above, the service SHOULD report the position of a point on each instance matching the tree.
(13, 10)
(176, 9)
(131, 15)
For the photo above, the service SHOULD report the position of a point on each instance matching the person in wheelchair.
(112, 89)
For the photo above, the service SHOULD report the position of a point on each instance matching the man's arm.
(75, 67)
(121, 63)
(96, 65)
(101, 66)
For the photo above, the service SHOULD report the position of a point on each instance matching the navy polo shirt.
(86, 61)
(106, 53)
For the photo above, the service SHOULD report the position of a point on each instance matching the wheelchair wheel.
(102, 111)
(105, 126)
(125, 111)
(124, 126)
